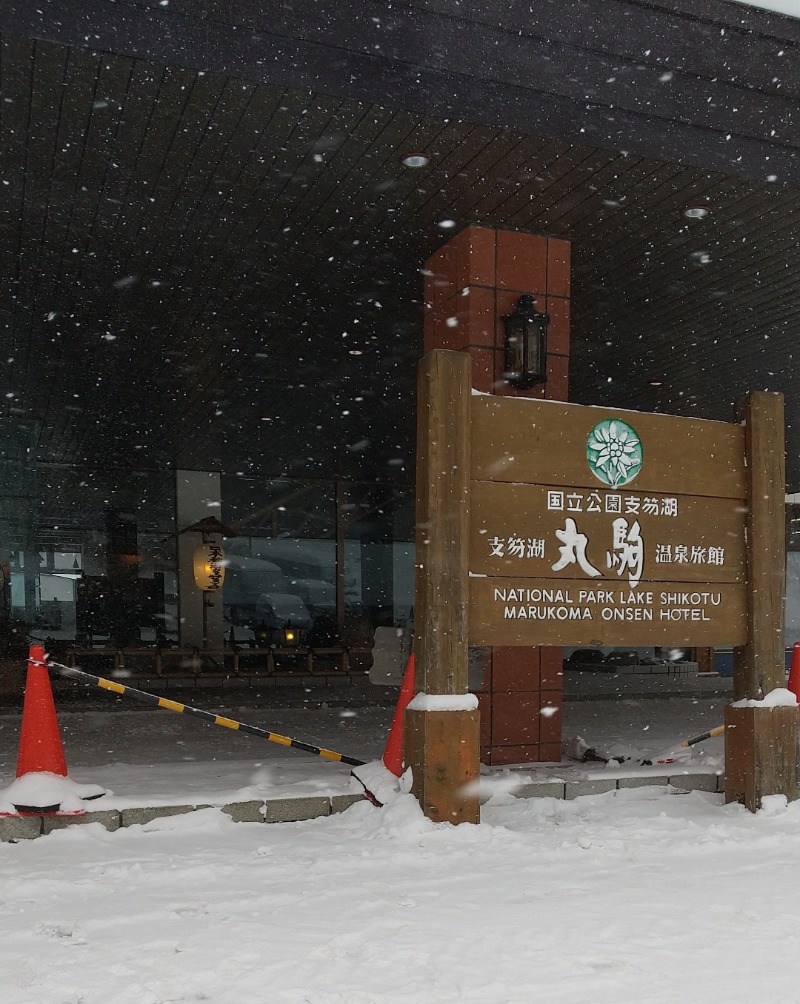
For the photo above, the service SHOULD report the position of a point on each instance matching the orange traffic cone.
(42, 786)
(393, 754)
(794, 672)
(40, 746)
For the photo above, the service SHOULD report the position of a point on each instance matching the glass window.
(379, 553)
(333, 560)
(94, 560)
(281, 569)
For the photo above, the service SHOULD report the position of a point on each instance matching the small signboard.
(631, 531)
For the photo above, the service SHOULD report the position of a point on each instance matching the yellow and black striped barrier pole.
(226, 723)
(668, 756)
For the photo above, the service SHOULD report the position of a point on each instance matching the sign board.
(540, 523)
(597, 527)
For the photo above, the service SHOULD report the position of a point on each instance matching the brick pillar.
(470, 283)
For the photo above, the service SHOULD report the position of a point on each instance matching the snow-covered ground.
(642, 894)
(638, 895)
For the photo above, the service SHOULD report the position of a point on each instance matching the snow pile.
(773, 805)
(612, 899)
(42, 790)
(780, 697)
(443, 702)
(374, 778)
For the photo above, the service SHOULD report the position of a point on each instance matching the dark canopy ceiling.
(220, 273)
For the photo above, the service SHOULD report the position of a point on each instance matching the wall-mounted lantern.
(526, 344)
(209, 567)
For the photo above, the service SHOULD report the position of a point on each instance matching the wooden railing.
(211, 664)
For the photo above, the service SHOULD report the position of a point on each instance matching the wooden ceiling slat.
(657, 196)
(174, 210)
(167, 108)
(139, 103)
(333, 229)
(453, 150)
(444, 204)
(192, 281)
(596, 210)
(232, 139)
(595, 202)
(357, 181)
(255, 187)
(648, 223)
(197, 199)
(44, 110)
(346, 49)
(267, 180)
(598, 170)
(644, 187)
(16, 65)
(185, 136)
(294, 173)
(219, 335)
(515, 169)
(65, 201)
(553, 161)
(510, 182)
(727, 231)
(95, 118)
(245, 173)
(102, 271)
(704, 305)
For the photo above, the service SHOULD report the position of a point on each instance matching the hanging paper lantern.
(209, 567)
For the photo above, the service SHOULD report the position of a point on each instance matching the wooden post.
(442, 747)
(760, 742)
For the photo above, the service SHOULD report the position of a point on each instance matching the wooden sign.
(595, 527)
(541, 523)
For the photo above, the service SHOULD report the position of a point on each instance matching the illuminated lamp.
(209, 567)
(697, 212)
(416, 160)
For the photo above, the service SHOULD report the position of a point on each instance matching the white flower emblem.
(614, 452)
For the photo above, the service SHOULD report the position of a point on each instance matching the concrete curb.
(600, 785)
(286, 810)
(273, 810)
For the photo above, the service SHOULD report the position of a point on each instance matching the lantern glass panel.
(525, 344)
(532, 347)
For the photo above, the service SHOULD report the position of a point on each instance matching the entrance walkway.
(157, 760)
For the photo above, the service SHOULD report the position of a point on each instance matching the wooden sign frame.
(483, 451)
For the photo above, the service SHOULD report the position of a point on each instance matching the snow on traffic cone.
(794, 672)
(42, 785)
(393, 754)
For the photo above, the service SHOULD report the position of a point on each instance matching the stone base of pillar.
(442, 748)
(760, 754)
